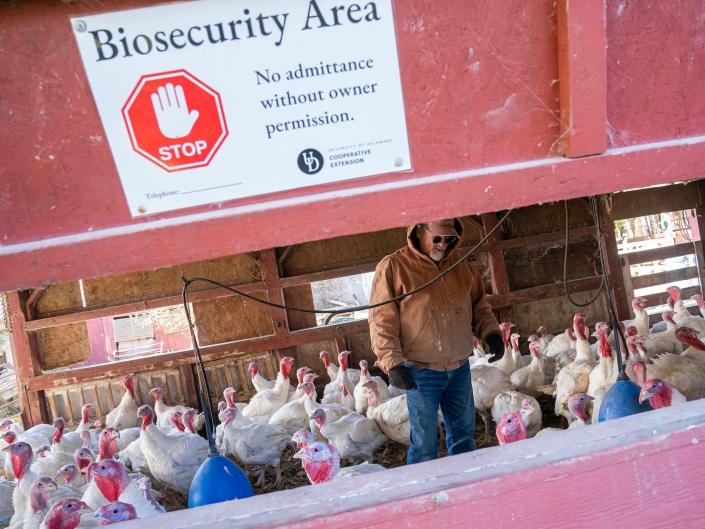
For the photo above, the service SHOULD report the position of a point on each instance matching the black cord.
(202, 378)
(595, 216)
(361, 307)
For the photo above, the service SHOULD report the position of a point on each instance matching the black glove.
(400, 377)
(496, 344)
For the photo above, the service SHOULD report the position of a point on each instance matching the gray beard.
(436, 255)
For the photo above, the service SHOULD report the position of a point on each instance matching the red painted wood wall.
(494, 93)
(641, 472)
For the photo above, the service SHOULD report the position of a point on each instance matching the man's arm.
(384, 320)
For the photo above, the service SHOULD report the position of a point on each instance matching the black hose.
(203, 377)
(565, 261)
(360, 307)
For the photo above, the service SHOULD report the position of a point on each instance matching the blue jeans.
(451, 391)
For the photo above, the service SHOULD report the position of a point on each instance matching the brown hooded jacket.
(434, 327)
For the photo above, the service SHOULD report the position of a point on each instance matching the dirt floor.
(390, 455)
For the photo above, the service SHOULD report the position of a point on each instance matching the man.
(424, 340)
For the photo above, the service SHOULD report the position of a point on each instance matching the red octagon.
(152, 116)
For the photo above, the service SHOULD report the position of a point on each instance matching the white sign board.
(216, 100)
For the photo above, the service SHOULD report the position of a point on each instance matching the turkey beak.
(646, 394)
(299, 454)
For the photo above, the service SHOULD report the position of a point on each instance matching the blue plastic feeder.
(218, 479)
(622, 400)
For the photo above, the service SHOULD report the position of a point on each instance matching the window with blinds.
(132, 328)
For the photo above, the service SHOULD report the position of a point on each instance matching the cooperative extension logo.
(310, 161)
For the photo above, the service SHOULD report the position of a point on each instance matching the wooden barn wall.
(351, 250)
(299, 296)
(528, 267)
(361, 347)
(105, 394)
(146, 285)
(227, 319)
(555, 313)
(232, 372)
(232, 318)
(546, 218)
(654, 200)
(341, 251)
(63, 346)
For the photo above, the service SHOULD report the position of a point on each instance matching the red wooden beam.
(582, 72)
(630, 464)
(25, 362)
(367, 207)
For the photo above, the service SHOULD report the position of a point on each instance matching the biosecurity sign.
(209, 101)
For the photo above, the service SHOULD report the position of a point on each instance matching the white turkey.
(321, 462)
(264, 404)
(172, 458)
(125, 413)
(360, 393)
(258, 444)
(343, 395)
(526, 379)
(683, 317)
(487, 383)
(509, 362)
(333, 370)
(604, 374)
(353, 435)
(685, 372)
(657, 343)
(392, 415)
(510, 401)
(112, 479)
(575, 377)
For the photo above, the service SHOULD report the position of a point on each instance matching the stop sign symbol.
(175, 120)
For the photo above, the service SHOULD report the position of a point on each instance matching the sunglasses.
(449, 239)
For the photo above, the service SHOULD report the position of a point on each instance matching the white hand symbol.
(173, 117)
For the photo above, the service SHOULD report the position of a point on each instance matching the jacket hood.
(413, 241)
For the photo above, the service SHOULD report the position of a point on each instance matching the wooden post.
(613, 265)
(275, 292)
(500, 280)
(26, 362)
